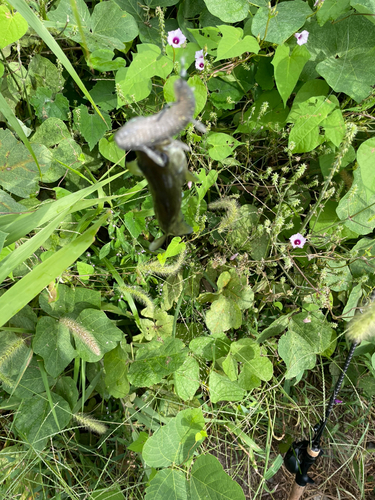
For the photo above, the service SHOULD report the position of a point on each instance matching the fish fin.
(199, 126)
(134, 168)
(157, 243)
(154, 156)
(181, 227)
(179, 144)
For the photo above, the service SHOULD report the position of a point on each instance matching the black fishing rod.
(303, 454)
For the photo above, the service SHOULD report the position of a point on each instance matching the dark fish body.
(146, 131)
(165, 185)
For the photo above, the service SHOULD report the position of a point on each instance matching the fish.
(144, 132)
(165, 184)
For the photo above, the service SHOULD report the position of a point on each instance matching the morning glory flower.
(199, 64)
(302, 37)
(318, 3)
(176, 38)
(199, 60)
(297, 240)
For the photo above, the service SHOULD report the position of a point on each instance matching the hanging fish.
(144, 132)
(165, 184)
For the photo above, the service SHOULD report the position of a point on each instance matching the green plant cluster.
(198, 336)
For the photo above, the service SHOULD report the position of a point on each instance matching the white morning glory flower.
(297, 240)
(302, 37)
(199, 63)
(176, 38)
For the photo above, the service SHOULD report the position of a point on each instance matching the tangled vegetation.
(185, 373)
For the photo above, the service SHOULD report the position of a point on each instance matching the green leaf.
(223, 315)
(116, 369)
(303, 340)
(135, 225)
(31, 381)
(172, 289)
(308, 117)
(296, 353)
(131, 89)
(174, 442)
(139, 443)
(365, 158)
(60, 305)
(104, 95)
(206, 180)
(18, 172)
(210, 348)
(110, 151)
(149, 62)
(44, 73)
(108, 27)
(48, 107)
(238, 290)
(12, 26)
(345, 63)
(366, 7)
(54, 132)
(233, 44)
(52, 342)
(247, 352)
(186, 379)
(155, 361)
(230, 367)
(84, 271)
(338, 276)
(200, 94)
(361, 267)
(209, 40)
(167, 484)
(161, 326)
(35, 422)
(330, 10)
(223, 389)
(113, 492)
(230, 11)
(289, 18)
(356, 208)
(174, 248)
(327, 221)
(288, 68)
(317, 332)
(352, 303)
(94, 328)
(67, 389)
(223, 145)
(91, 126)
(101, 60)
(209, 481)
(334, 127)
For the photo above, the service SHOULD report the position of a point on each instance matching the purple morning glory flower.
(337, 401)
(176, 38)
(302, 37)
(297, 240)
